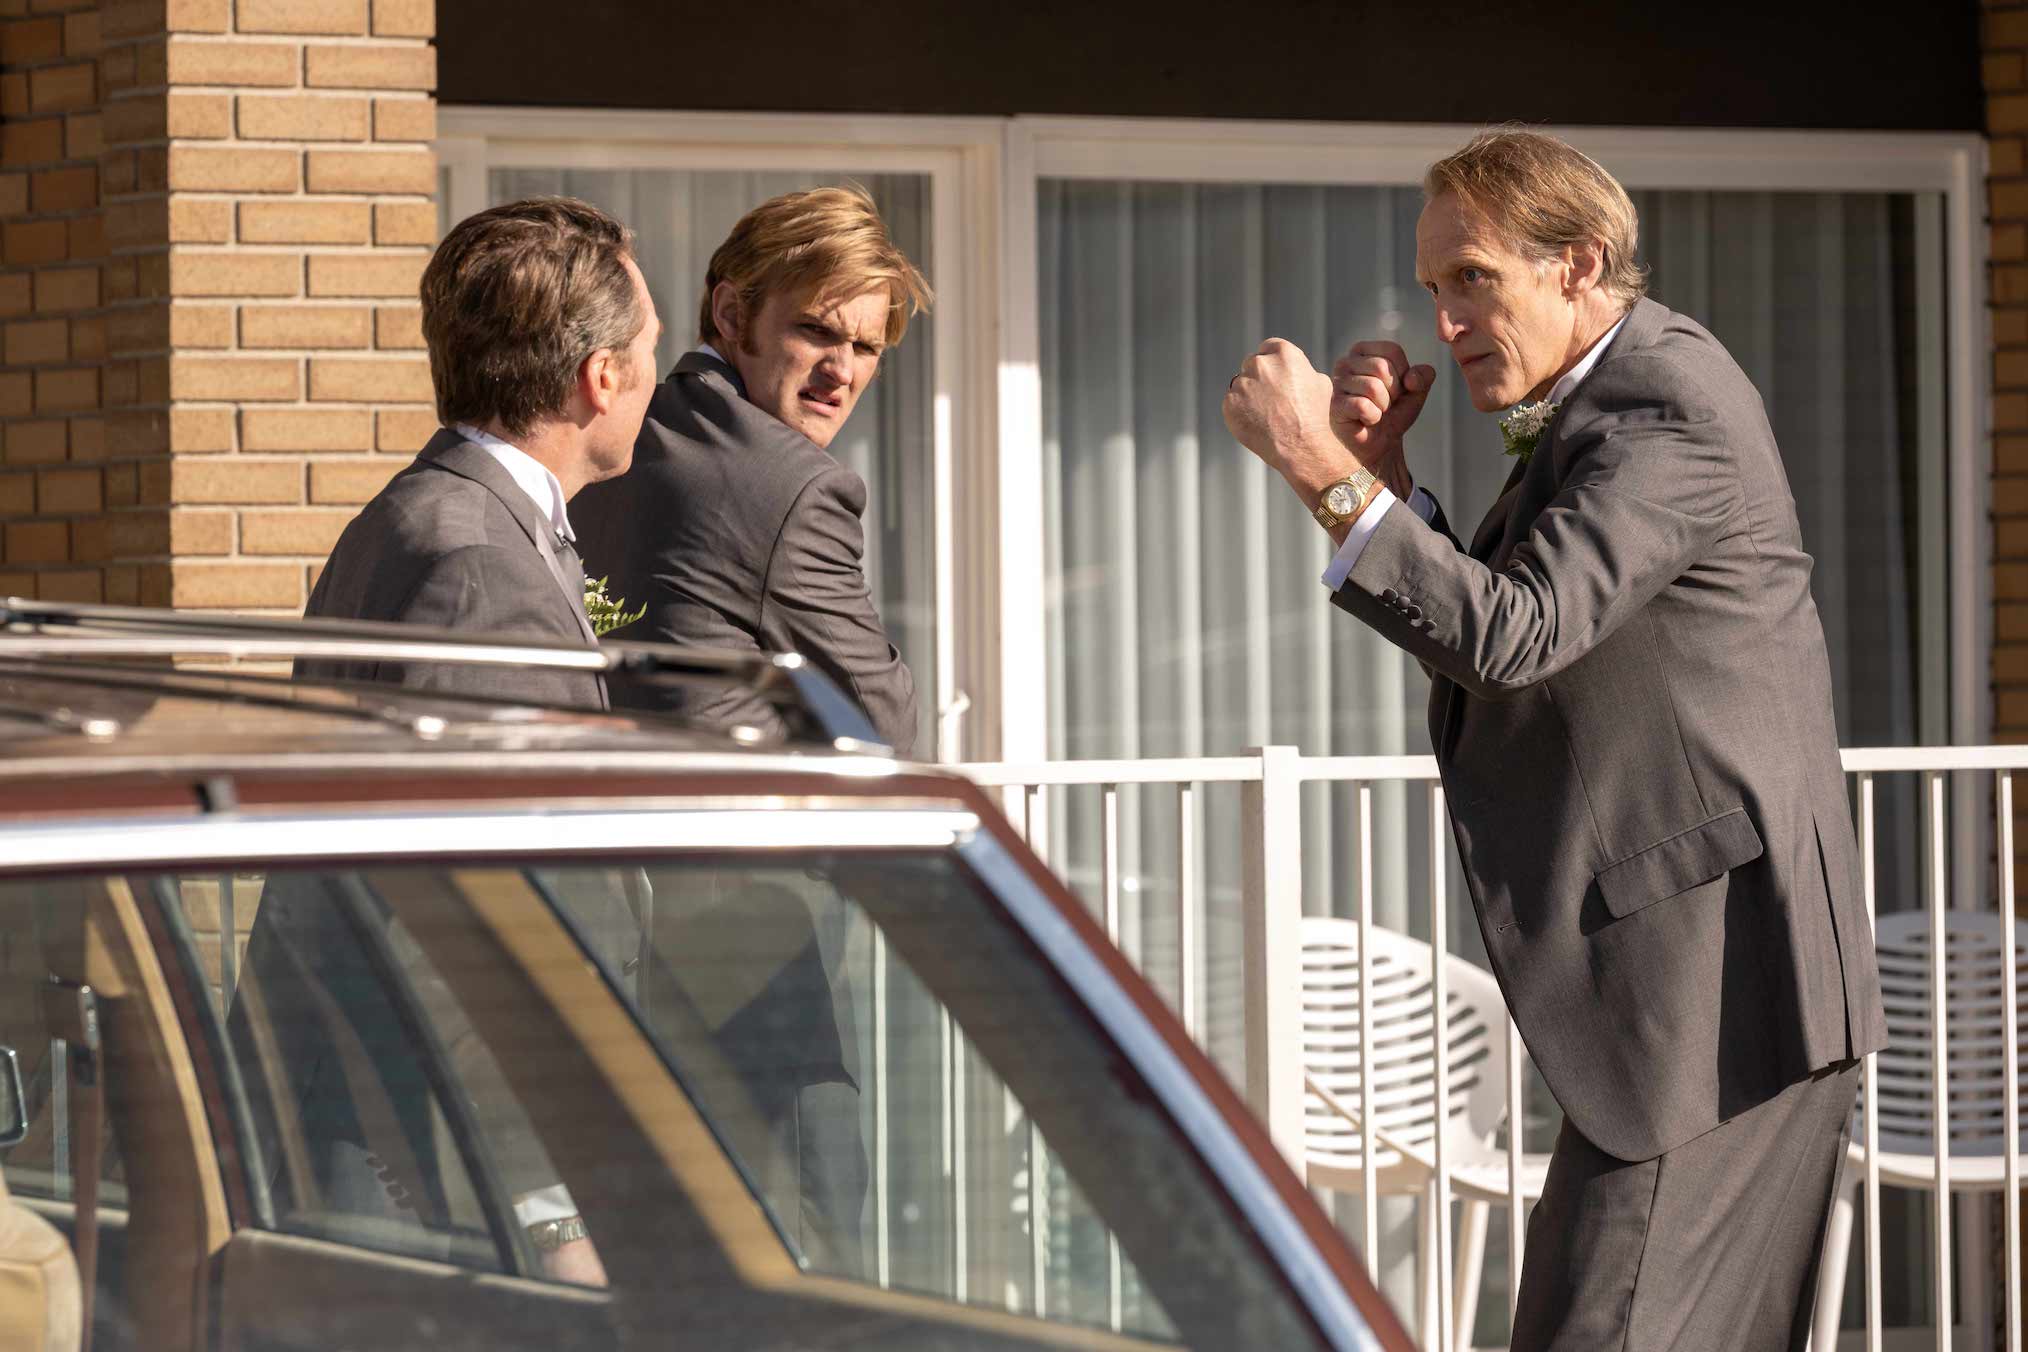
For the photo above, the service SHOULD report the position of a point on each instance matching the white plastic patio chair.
(1976, 1068)
(1404, 1091)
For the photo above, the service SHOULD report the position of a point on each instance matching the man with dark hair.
(541, 338)
(1631, 708)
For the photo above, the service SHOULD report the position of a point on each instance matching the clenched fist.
(1375, 398)
(1279, 407)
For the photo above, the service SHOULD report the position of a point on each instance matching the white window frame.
(987, 435)
(1355, 154)
(960, 158)
(1175, 150)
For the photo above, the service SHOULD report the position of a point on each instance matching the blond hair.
(1544, 195)
(826, 243)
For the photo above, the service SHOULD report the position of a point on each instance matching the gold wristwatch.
(1343, 500)
(549, 1236)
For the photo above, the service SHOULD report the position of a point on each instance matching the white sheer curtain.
(1184, 608)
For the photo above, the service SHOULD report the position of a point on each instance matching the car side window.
(40, 1166)
(346, 1065)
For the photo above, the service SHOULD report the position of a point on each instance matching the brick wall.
(216, 213)
(2004, 40)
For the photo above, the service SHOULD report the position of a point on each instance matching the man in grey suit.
(541, 337)
(475, 534)
(737, 530)
(735, 527)
(1631, 709)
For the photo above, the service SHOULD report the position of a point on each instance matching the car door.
(369, 1135)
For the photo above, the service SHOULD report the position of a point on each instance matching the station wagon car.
(301, 984)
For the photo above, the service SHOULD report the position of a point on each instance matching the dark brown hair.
(1543, 194)
(827, 243)
(515, 299)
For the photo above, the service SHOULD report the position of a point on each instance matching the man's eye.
(1471, 276)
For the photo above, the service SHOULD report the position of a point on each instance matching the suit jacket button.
(1413, 612)
(1387, 595)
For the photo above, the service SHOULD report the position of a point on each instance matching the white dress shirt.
(543, 488)
(1421, 503)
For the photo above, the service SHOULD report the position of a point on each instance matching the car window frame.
(941, 814)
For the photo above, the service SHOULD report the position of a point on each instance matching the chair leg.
(1471, 1269)
(1831, 1269)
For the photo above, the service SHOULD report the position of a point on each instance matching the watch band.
(549, 1236)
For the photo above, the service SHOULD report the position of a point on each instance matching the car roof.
(91, 689)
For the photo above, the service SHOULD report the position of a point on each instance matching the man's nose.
(836, 363)
(1448, 328)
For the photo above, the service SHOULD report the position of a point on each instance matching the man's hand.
(1375, 398)
(1279, 407)
(575, 1261)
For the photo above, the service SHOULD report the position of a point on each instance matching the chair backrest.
(1404, 1052)
(1975, 1025)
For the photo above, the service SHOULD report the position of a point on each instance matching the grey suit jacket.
(1631, 709)
(738, 532)
(452, 541)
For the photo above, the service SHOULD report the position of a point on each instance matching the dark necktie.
(573, 566)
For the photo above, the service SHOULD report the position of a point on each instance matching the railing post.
(1271, 834)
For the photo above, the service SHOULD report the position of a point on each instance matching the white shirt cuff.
(544, 1204)
(1419, 502)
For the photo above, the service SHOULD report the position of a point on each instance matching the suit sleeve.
(820, 605)
(1647, 489)
(1440, 523)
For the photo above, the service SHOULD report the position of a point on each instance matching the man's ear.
(1587, 262)
(601, 378)
(725, 312)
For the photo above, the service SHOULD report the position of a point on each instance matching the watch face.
(1341, 499)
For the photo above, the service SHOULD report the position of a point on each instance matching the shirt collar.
(719, 357)
(542, 486)
(1576, 374)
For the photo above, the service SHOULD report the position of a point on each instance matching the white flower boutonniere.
(1522, 428)
(606, 613)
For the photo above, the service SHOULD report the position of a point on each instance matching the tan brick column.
(228, 215)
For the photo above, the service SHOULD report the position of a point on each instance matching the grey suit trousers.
(1711, 1247)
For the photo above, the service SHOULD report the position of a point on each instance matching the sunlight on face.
(1507, 318)
(806, 360)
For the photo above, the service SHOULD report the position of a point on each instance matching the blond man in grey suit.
(1631, 709)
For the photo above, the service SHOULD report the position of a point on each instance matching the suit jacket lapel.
(1494, 525)
(449, 451)
(1485, 540)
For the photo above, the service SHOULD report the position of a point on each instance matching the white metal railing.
(1271, 848)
